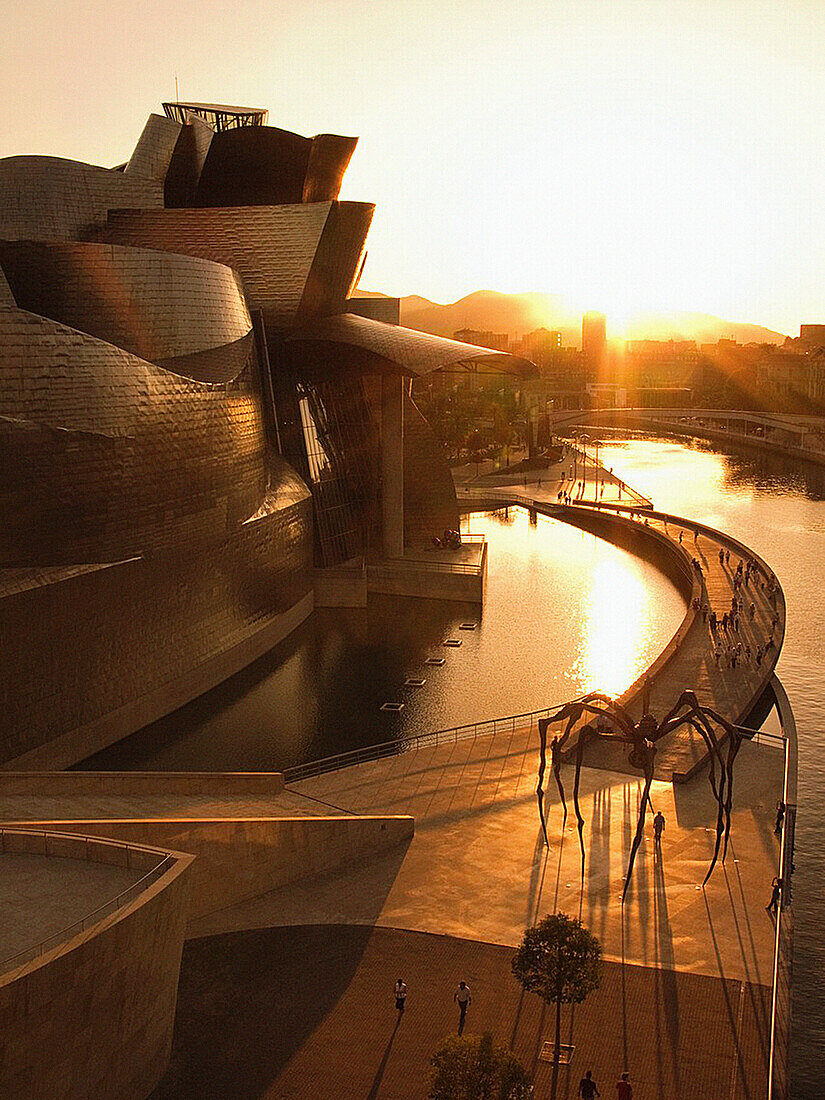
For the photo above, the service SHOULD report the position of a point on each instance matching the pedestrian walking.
(680, 538)
(462, 998)
(752, 611)
(400, 994)
(780, 814)
(727, 557)
(776, 894)
(717, 654)
(725, 621)
(658, 827)
(587, 1087)
(624, 1089)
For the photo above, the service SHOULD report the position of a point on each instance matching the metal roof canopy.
(409, 350)
(220, 116)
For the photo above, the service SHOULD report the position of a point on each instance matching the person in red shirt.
(624, 1089)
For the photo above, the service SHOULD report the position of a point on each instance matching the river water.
(565, 613)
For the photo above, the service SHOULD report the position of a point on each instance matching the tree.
(474, 1068)
(561, 961)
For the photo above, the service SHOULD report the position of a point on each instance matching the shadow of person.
(379, 1073)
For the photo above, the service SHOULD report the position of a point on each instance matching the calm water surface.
(565, 613)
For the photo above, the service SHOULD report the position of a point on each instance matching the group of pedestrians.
(732, 648)
(588, 1089)
(462, 997)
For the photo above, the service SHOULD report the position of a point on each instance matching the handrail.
(415, 741)
(20, 958)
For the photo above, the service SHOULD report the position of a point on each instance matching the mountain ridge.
(518, 314)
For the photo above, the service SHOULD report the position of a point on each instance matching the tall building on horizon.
(594, 337)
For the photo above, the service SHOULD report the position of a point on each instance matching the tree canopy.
(559, 959)
(474, 1068)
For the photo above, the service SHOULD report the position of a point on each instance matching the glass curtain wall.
(341, 445)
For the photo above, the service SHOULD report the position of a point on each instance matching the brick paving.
(306, 1013)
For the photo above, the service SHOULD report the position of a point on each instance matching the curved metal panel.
(51, 199)
(273, 248)
(328, 161)
(159, 306)
(106, 455)
(153, 152)
(409, 350)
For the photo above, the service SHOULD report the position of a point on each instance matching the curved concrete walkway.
(687, 662)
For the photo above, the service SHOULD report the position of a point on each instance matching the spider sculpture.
(609, 721)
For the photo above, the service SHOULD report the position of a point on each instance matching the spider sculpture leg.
(648, 757)
(701, 719)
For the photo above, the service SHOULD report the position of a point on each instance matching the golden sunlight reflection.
(614, 643)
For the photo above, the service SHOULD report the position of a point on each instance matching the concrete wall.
(239, 858)
(218, 784)
(93, 1019)
(407, 578)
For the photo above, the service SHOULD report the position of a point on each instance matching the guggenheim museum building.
(197, 419)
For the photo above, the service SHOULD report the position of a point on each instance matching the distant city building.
(812, 335)
(498, 341)
(594, 337)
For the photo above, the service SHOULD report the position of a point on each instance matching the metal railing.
(778, 1067)
(368, 753)
(13, 962)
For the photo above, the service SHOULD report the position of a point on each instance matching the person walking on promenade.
(587, 1087)
(400, 995)
(727, 557)
(759, 656)
(776, 894)
(780, 814)
(752, 611)
(658, 828)
(463, 998)
(725, 622)
(717, 654)
(624, 1089)
(721, 556)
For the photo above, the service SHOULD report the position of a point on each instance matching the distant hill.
(514, 314)
(517, 314)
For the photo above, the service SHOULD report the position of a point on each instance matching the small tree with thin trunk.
(474, 1068)
(561, 961)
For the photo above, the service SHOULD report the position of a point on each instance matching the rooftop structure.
(219, 116)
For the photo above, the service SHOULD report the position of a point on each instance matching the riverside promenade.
(688, 661)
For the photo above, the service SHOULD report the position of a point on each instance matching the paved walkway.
(477, 866)
(308, 1012)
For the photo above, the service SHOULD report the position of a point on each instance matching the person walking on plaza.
(400, 995)
(587, 1087)
(624, 1089)
(463, 998)
(658, 828)
(780, 814)
(776, 893)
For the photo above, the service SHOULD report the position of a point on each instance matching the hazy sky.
(626, 154)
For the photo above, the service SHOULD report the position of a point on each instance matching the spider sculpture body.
(607, 720)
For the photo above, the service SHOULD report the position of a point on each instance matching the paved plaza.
(290, 1014)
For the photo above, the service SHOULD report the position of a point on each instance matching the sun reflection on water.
(614, 647)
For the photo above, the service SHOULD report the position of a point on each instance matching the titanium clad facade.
(156, 446)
